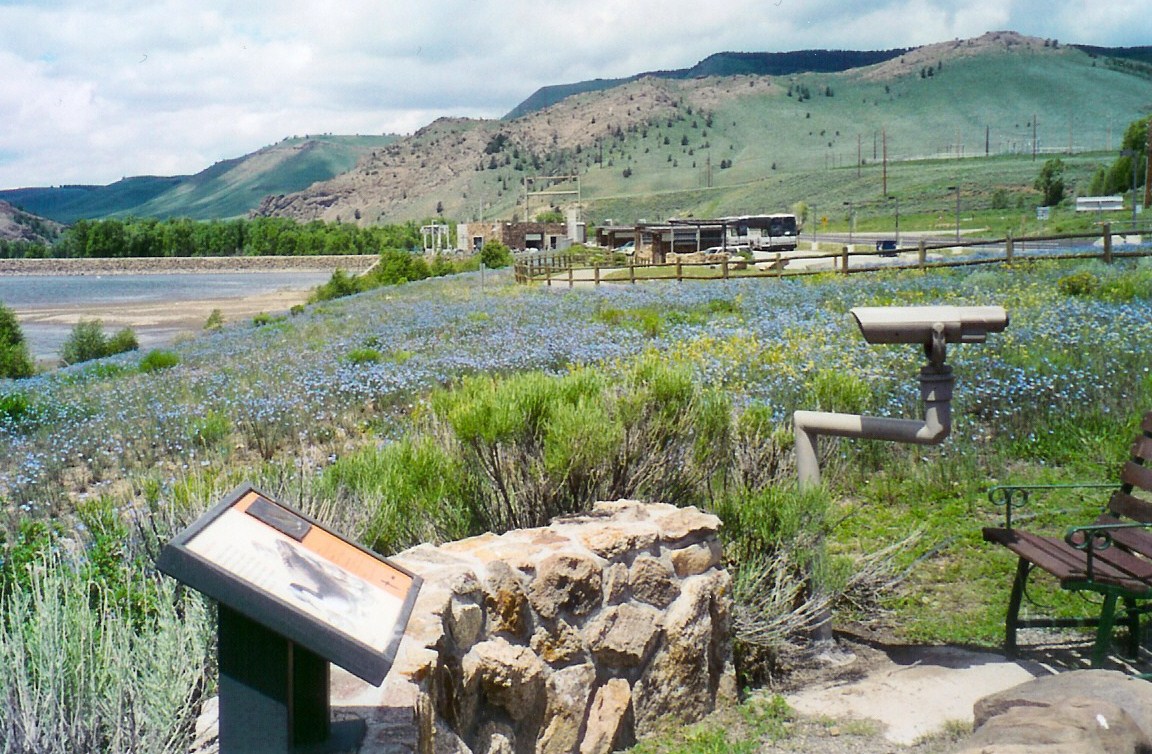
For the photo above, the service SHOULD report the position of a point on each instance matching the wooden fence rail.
(559, 268)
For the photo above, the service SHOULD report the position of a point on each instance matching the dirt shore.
(187, 318)
(167, 265)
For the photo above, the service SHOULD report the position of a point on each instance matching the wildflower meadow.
(454, 405)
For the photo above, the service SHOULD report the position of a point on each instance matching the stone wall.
(569, 639)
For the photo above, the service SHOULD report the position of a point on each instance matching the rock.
(678, 683)
(568, 693)
(696, 559)
(495, 738)
(506, 676)
(616, 579)
(565, 581)
(623, 635)
(506, 601)
(614, 542)
(652, 581)
(561, 645)
(682, 523)
(1068, 726)
(609, 719)
(1134, 695)
(465, 623)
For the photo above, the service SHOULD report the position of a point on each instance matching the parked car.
(886, 248)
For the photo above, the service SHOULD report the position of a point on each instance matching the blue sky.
(97, 90)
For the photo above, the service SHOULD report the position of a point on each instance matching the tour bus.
(763, 232)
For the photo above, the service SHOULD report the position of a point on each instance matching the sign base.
(274, 694)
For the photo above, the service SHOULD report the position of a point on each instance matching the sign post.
(293, 598)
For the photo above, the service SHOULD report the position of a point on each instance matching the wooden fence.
(560, 268)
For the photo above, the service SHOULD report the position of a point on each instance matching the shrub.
(1080, 283)
(87, 341)
(215, 320)
(156, 360)
(495, 255)
(15, 361)
(364, 356)
(122, 342)
(264, 318)
(14, 406)
(339, 285)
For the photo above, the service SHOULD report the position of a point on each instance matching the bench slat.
(1142, 448)
(1137, 475)
(1126, 505)
(1113, 567)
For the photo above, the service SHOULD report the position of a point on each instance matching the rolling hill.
(736, 133)
(658, 147)
(229, 188)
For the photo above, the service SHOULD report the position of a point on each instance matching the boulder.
(1068, 726)
(1133, 695)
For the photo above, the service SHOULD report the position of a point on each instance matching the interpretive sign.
(293, 597)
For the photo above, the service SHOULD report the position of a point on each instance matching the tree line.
(182, 237)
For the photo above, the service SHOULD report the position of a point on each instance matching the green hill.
(981, 112)
(229, 188)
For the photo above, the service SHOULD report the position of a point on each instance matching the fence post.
(922, 253)
(571, 281)
(631, 273)
(679, 271)
(724, 268)
(844, 257)
(1009, 248)
(779, 265)
(596, 274)
(1107, 243)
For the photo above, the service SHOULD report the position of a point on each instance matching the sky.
(92, 91)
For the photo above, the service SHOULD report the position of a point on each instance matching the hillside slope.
(719, 64)
(229, 188)
(658, 147)
(16, 225)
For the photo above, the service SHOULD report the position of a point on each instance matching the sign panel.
(287, 572)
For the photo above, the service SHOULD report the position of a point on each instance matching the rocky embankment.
(155, 265)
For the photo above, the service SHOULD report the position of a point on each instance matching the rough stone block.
(623, 635)
(653, 581)
(566, 581)
(609, 720)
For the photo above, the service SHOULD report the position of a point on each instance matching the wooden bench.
(1111, 556)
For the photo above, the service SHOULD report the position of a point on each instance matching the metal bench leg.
(1023, 568)
(1132, 619)
(1104, 631)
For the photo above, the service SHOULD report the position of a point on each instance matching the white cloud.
(101, 89)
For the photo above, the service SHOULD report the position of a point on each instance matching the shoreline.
(356, 263)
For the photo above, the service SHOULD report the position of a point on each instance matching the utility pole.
(1148, 168)
(884, 173)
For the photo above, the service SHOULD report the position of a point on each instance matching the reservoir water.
(159, 306)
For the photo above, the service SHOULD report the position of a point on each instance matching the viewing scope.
(917, 324)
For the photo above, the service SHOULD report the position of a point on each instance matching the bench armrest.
(1093, 538)
(1013, 496)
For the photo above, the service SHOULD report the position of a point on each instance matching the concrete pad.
(915, 691)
